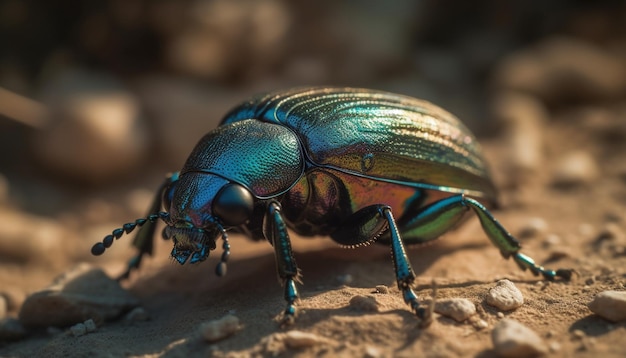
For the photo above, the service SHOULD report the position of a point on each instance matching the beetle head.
(201, 207)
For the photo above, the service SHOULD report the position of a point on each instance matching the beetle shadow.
(595, 326)
(180, 298)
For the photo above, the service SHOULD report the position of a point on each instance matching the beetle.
(339, 162)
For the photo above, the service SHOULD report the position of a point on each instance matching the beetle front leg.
(144, 239)
(275, 230)
(440, 216)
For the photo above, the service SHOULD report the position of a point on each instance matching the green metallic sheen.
(378, 135)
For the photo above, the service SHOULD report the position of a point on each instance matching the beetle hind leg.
(440, 216)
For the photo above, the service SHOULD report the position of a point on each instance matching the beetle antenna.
(99, 248)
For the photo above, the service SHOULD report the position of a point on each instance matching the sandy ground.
(463, 264)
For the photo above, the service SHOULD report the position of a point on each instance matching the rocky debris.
(575, 168)
(560, 69)
(612, 239)
(11, 330)
(214, 38)
(80, 329)
(382, 289)
(533, 227)
(94, 131)
(512, 339)
(505, 296)
(364, 303)
(610, 305)
(523, 118)
(29, 238)
(4, 307)
(299, 339)
(138, 314)
(219, 329)
(459, 309)
(80, 294)
(182, 112)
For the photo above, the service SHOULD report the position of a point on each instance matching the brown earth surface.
(463, 264)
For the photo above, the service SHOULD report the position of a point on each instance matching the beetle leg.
(404, 272)
(440, 216)
(275, 231)
(362, 228)
(144, 239)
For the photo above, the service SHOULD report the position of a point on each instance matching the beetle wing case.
(379, 135)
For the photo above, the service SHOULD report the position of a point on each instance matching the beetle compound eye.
(233, 204)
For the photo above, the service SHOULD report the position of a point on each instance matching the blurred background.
(98, 99)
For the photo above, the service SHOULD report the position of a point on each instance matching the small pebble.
(382, 289)
(534, 227)
(610, 305)
(364, 303)
(612, 232)
(299, 339)
(552, 240)
(578, 334)
(372, 352)
(459, 309)
(505, 296)
(78, 330)
(480, 324)
(576, 168)
(82, 293)
(90, 325)
(138, 314)
(4, 307)
(11, 330)
(216, 330)
(554, 347)
(345, 279)
(513, 339)
(586, 229)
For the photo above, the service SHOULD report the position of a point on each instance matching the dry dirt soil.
(584, 231)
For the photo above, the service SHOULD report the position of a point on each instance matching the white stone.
(505, 296)
(610, 305)
(513, 339)
(82, 293)
(459, 309)
(218, 329)
(299, 339)
(575, 168)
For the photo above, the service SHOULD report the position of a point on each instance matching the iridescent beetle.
(340, 162)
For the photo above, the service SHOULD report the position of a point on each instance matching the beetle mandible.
(340, 162)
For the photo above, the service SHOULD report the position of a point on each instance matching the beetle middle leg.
(363, 227)
(440, 216)
(275, 230)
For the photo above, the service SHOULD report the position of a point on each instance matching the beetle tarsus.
(566, 274)
(291, 296)
(526, 262)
